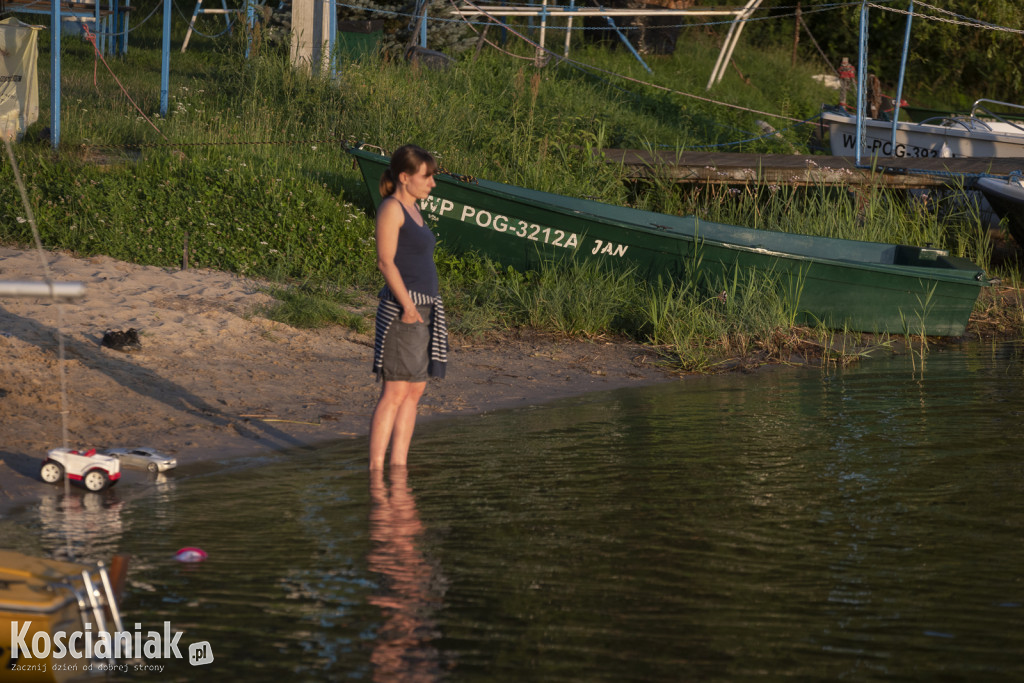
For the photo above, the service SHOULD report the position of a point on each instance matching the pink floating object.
(189, 554)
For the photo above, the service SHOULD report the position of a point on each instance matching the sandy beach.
(214, 380)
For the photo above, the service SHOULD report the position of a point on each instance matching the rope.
(47, 276)
(462, 178)
(140, 145)
(92, 39)
(961, 20)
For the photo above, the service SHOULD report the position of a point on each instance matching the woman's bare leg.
(405, 423)
(393, 422)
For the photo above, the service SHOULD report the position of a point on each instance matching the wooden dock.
(807, 170)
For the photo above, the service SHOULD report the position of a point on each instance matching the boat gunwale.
(38, 607)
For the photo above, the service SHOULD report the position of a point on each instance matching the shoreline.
(215, 382)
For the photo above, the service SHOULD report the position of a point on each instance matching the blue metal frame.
(55, 19)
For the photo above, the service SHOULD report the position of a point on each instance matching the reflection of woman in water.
(403, 650)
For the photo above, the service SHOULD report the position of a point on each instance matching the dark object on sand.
(125, 340)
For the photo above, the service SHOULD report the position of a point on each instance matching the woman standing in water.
(411, 336)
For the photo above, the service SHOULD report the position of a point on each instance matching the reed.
(576, 298)
(915, 325)
(702, 322)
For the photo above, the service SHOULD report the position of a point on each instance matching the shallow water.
(862, 523)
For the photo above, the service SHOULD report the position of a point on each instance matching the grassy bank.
(246, 173)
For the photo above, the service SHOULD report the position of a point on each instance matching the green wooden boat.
(843, 284)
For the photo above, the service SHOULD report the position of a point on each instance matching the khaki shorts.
(407, 349)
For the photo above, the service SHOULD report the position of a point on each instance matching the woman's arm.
(390, 218)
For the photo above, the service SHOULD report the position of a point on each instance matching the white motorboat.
(980, 134)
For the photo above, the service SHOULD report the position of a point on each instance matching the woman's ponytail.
(387, 183)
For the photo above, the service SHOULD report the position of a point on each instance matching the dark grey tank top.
(415, 256)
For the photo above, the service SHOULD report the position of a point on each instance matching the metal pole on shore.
(55, 29)
(165, 60)
(862, 67)
(423, 27)
(42, 290)
(538, 58)
(332, 37)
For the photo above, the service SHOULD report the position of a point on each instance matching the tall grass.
(698, 323)
(576, 298)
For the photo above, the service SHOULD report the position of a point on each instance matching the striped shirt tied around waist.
(389, 310)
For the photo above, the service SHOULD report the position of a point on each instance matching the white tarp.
(19, 79)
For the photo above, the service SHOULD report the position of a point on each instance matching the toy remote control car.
(93, 470)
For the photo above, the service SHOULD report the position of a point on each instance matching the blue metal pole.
(423, 26)
(165, 60)
(568, 27)
(862, 67)
(332, 36)
(123, 23)
(101, 38)
(625, 40)
(55, 73)
(250, 23)
(903, 70)
(115, 31)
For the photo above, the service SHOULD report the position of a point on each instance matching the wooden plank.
(805, 170)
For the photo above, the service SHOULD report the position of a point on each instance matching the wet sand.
(214, 381)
